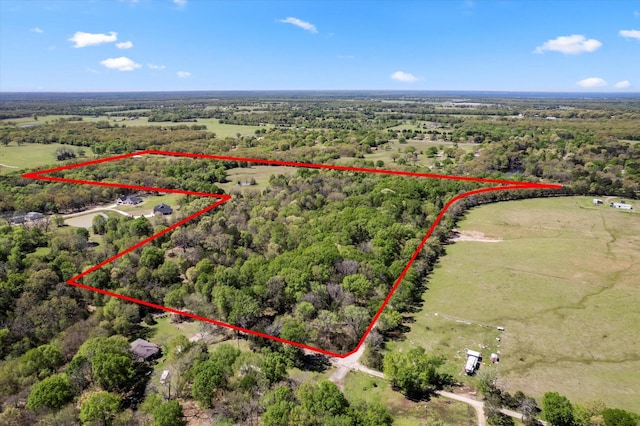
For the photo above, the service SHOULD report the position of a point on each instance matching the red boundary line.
(508, 185)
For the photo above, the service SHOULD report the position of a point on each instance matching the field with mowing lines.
(564, 284)
(28, 156)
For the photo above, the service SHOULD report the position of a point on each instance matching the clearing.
(29, 156)
(563, 282)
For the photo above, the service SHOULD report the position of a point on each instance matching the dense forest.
(308, 257)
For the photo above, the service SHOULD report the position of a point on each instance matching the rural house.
(129, 200)
(144, 350)
(162, 208)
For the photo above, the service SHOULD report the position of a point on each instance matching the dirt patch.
(84, 221)
(463, 235)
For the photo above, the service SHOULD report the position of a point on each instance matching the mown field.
(27, 156)
(563, 283)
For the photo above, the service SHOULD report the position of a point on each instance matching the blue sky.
(141, 45)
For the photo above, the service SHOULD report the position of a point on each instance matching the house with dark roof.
(144, 350)
(163, 209)
(130, 200)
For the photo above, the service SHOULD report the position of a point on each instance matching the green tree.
(274, 367)
(617, 417)
(413, 372)
(104, 345)
(99, 224)
(53, 392)
(169, 414)
(101, 406)
(151, 257)
(208, 378)
(373, 414)
(42, 360)
(557, 409)
(112, 372)
(357, 284)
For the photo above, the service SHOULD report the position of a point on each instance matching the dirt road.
(352, 362)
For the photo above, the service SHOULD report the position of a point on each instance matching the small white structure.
(597, 201)
(164, 377)
(621, 206)
(473, 362)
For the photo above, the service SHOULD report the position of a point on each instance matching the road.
(111, 207)
(352, 362)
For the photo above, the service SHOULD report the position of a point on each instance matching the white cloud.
(156, 67)
(300, 23)
(636, 13)
(623, 84)
(36, 30)
(184, 74)
(630, 34)
(571, 45)
(88, 39)
(121, 64)
(592, 82)
(405, 77)
(180, 2)
(124, 45)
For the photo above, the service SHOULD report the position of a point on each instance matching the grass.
(261, 174)
(28, 156)
(359, 386)
(165, 331)
(213, 125)
(563, 283)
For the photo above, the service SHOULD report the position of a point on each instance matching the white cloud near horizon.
(592, 82)
(184, 74)
(180, 2)
(624, 84)
(82, 39)
(300, 24)
(156, 67)
(121, 64)
(124, 45)
(630, 34)
(570, 45)
(36, 30)
(404, 77)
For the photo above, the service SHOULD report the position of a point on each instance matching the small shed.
(163, 209)
(597, 201)
(144, 350)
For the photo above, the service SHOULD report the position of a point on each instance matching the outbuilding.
(163, 209)
(622, 206)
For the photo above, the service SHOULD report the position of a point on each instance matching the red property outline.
(222, 198)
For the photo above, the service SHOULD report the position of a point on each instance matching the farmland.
(563, 283)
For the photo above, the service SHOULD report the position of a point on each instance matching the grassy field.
(563, 283)
(213, 125)
(27, 156)
(362, 387)
(261, 174)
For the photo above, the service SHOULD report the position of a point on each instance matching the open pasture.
(563, 282)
